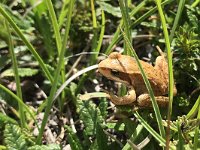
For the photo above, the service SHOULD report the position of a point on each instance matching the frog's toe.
(129, 98)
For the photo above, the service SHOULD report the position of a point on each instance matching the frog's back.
(124, 63)
(154, 76)
(128, 64)
(157, 85)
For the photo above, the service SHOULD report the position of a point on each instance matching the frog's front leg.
(144, 100)
(123, 100)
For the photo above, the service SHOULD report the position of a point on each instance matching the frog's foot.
(129, 98)
(144, 100)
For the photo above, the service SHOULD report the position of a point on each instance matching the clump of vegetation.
(186, 58)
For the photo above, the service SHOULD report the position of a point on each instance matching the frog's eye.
(115, 73)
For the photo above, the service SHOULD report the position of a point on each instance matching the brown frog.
(124, 69)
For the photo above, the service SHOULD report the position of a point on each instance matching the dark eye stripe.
(115, 73)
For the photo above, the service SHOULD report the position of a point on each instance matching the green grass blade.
(177, 18)
(102, 32)
(95, 33)
(63, 13)
(59, 44)
(137, 8)
(55, 24)
(146, 81)
(69, 80)
(135, 135)
(17, 79)
(196, 135)
(126, 22)
(118, 37)
(160, 139)
(194, 109)
(180, 138)
(195, 3)
(57, 72)
(170, 68)
(94, 20)
(149, 13)
(27, 43)
(20, 102)
(127, 39)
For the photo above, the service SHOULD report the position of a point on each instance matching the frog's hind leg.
(129, 98)
(144, 100)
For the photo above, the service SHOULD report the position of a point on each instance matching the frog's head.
(117, 67)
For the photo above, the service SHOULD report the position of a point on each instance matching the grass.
(17, 79)
(56, 77)
(75, 25)
(27, 43)
(58, 43)
(170, 69)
